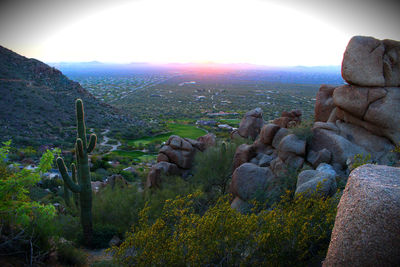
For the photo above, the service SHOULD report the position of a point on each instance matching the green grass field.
(136, 155)
(183, 130)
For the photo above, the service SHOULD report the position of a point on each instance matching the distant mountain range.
(37, 104)
(294, 74)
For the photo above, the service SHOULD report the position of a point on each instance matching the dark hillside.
(37, 103)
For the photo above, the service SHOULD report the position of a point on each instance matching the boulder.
(291, 143)
(323, 177)
(288, 119)
(176, 157)
(116, 180)
(268, 132)
(282, 122)
(244, 153)
(264, 160)
(367, 229)
(371, 62)
(391, 63)
(179, 151)
(260, 147)
(363, 62)
(324, 103)
(208, 140)
(379, 147)
(156, 171)
(249, 179)
(385, 114)
(251, 124)
(278, 167)
(341, 149)
(179, 143)
(294, 162)
(282, 132)
(322, 156)
(162, 157)
(240, 205)
(353, 99)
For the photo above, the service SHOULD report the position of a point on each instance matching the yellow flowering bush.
(294, 232)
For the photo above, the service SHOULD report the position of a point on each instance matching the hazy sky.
(268, 32)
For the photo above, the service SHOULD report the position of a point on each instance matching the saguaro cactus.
(81, 173)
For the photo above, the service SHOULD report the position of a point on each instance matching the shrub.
(172, 186)
(303, 131)
(102, 234)
(105, 263)
(360, 160)
(213, 169)
(294, 232)
(118, 207)
(69, 255)
(68, 227)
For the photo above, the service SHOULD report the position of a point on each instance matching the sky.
(264, 32)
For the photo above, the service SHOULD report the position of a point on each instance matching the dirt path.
(98, 255)
(106, 139)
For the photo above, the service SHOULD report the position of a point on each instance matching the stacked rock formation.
(176, 157)
(257, 167)
(362, 117)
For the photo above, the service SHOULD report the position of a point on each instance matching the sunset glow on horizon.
(188, 31)
(182, 31)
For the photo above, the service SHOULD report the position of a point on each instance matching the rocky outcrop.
(371, 62)
(288, 119)
(176, 157)
(250, 125)
(367, 229)
(178, 151)
(364, 115)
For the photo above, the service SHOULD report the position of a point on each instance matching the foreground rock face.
(367, 228)
(371, 62)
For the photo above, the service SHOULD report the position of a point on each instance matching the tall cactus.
(81, 173)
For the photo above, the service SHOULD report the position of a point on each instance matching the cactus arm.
(92, 143)
(80, 120)
(75, 180)
(64, 174)
(79, 145)
(73, 170)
